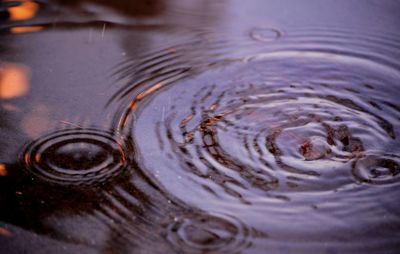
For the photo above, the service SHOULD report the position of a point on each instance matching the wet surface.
(199, 127)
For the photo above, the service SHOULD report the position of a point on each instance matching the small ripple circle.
(209, 233)
(377, 169)
(76, 157)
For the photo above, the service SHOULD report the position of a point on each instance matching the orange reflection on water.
(3, 170)
(14, 80)
(5, 232)
(36, 122)
(10, 107)
(149, 91)
(25, 29)
(26, 10)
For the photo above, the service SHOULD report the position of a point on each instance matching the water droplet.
(265, 34)
(314, 149)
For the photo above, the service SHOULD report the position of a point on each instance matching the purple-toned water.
(199, 126)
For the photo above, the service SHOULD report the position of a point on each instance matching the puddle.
(199, 127)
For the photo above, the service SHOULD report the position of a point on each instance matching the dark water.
(199, 126)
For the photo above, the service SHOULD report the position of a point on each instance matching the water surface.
(199, 126)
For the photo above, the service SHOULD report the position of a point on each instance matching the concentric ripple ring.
(211, 233)
(377, 169)
(76, 157)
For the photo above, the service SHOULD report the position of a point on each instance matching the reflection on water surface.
(199, 126)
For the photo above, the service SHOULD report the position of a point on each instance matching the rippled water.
(199, 127)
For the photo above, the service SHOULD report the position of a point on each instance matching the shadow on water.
(222, 132)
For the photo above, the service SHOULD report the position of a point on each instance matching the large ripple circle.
(281, 121)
